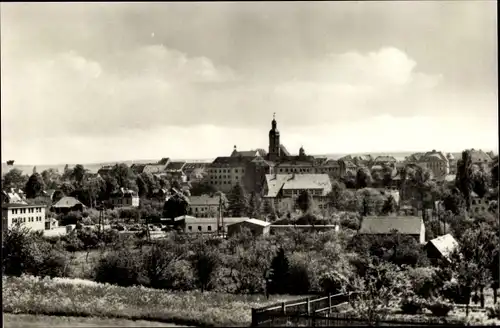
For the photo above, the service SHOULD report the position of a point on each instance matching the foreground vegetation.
(33, 295)
(30, 320)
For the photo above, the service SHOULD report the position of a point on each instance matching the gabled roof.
(164, 161)
(195, 165)
(444, 244)
(175, 166)
(255, 222)
(20, 205)
(407, 225)
(67, 202)
(277, 182)
(192, 220)
(433, 156)
(148, 168)
(479, 156)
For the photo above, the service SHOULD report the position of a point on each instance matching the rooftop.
(67, 202)
(444, 244)
(256, 222)
(277, 182)
(19, 205)
(408, 225)
(204, 200)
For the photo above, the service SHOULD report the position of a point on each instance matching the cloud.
(156, 86)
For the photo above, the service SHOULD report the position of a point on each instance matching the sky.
(91, 82)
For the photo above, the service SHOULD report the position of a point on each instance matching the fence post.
(308, 306)
(329, 304)
(254, 318)
(283, 307)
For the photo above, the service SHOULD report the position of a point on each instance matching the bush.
(70, 218)
(494, 311)
(129, 213)
(452, 292)
(424, 282)
(439, 307)
(412, 305)
(121, 267)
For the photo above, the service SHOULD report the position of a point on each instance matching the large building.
(249, 168)
(29, 216)
(283, 189)
(204, 206)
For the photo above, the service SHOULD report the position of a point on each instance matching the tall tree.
(305, 202)
(93, 187)
(464, 180)
(480, 181)
(255, 206)
(14, 179)
(238, 201)
(363, 178)
(34, 186)
(124, 175)
(337, 198)
(279, 273)
(421, 181)
(268, 210)
(389, 206)
(176, 206)
(78, 175)
(66, 175)
(452, 201)
(142, 186)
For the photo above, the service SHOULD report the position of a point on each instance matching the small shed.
(257, 227)
(441, 247)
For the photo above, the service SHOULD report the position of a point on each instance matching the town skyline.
(99, 82)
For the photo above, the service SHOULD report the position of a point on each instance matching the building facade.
(124, 198)
(204, 206)
(29, 216)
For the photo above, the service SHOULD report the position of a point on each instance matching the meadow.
(83, 298)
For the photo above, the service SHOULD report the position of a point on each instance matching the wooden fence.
(325, 312)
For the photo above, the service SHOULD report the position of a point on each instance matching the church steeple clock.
(274, 140)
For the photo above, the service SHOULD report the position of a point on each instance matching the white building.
(204, 206)
(191, 224)
(125, 198)
(29, 216)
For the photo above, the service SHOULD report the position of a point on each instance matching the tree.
(110, 186)
(452, 201)
(268, 210)
(238, 201)
(464, 181)
(124, 175)
(150, 182)
(92, 187)
(480, 182)
(279, 273)
(51, 178)
(142, 186)
(255, 206)
(202, 188)
(387, 175)
(175, 206)
(421, 181)
(66, 176)
(78, 174)
(337, 198)
(14, 179)
(205, 261)
(389, 205)
(363, 178)
(305, 202)
(34, 186)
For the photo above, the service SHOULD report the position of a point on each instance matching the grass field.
(73, 297)
(29, 320)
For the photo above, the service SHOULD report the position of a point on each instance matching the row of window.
(225, 170)
(220, 177)
(30, 210)
(29, 219)
(202, 209)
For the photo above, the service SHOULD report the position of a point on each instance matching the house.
(51, 223)
(174, 170)
(67, 204)
(53, 195)
(225, 172)
(124, 198)
(479, 157)
(195, 171)
(436, 162)
(257, 227)
(148, 168)
(478, 205)
(441, 247)
(13, 196)
(384, 160)
(204, 206)
(385, 225)
(281, 188)
(191, 224)
(29, 216)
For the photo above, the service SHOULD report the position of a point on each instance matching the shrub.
(412, 305)
(494, 311)
(129, 213)
(452, 292)
(298, 278)
(121, 267)
(424, 281)
(70, 218)
(439, 307)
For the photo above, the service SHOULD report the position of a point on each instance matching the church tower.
(274, 141)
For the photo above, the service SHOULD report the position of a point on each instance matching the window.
(190, 228)
(209, 228)
(199, 228)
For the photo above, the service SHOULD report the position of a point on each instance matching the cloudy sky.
(91, 82)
